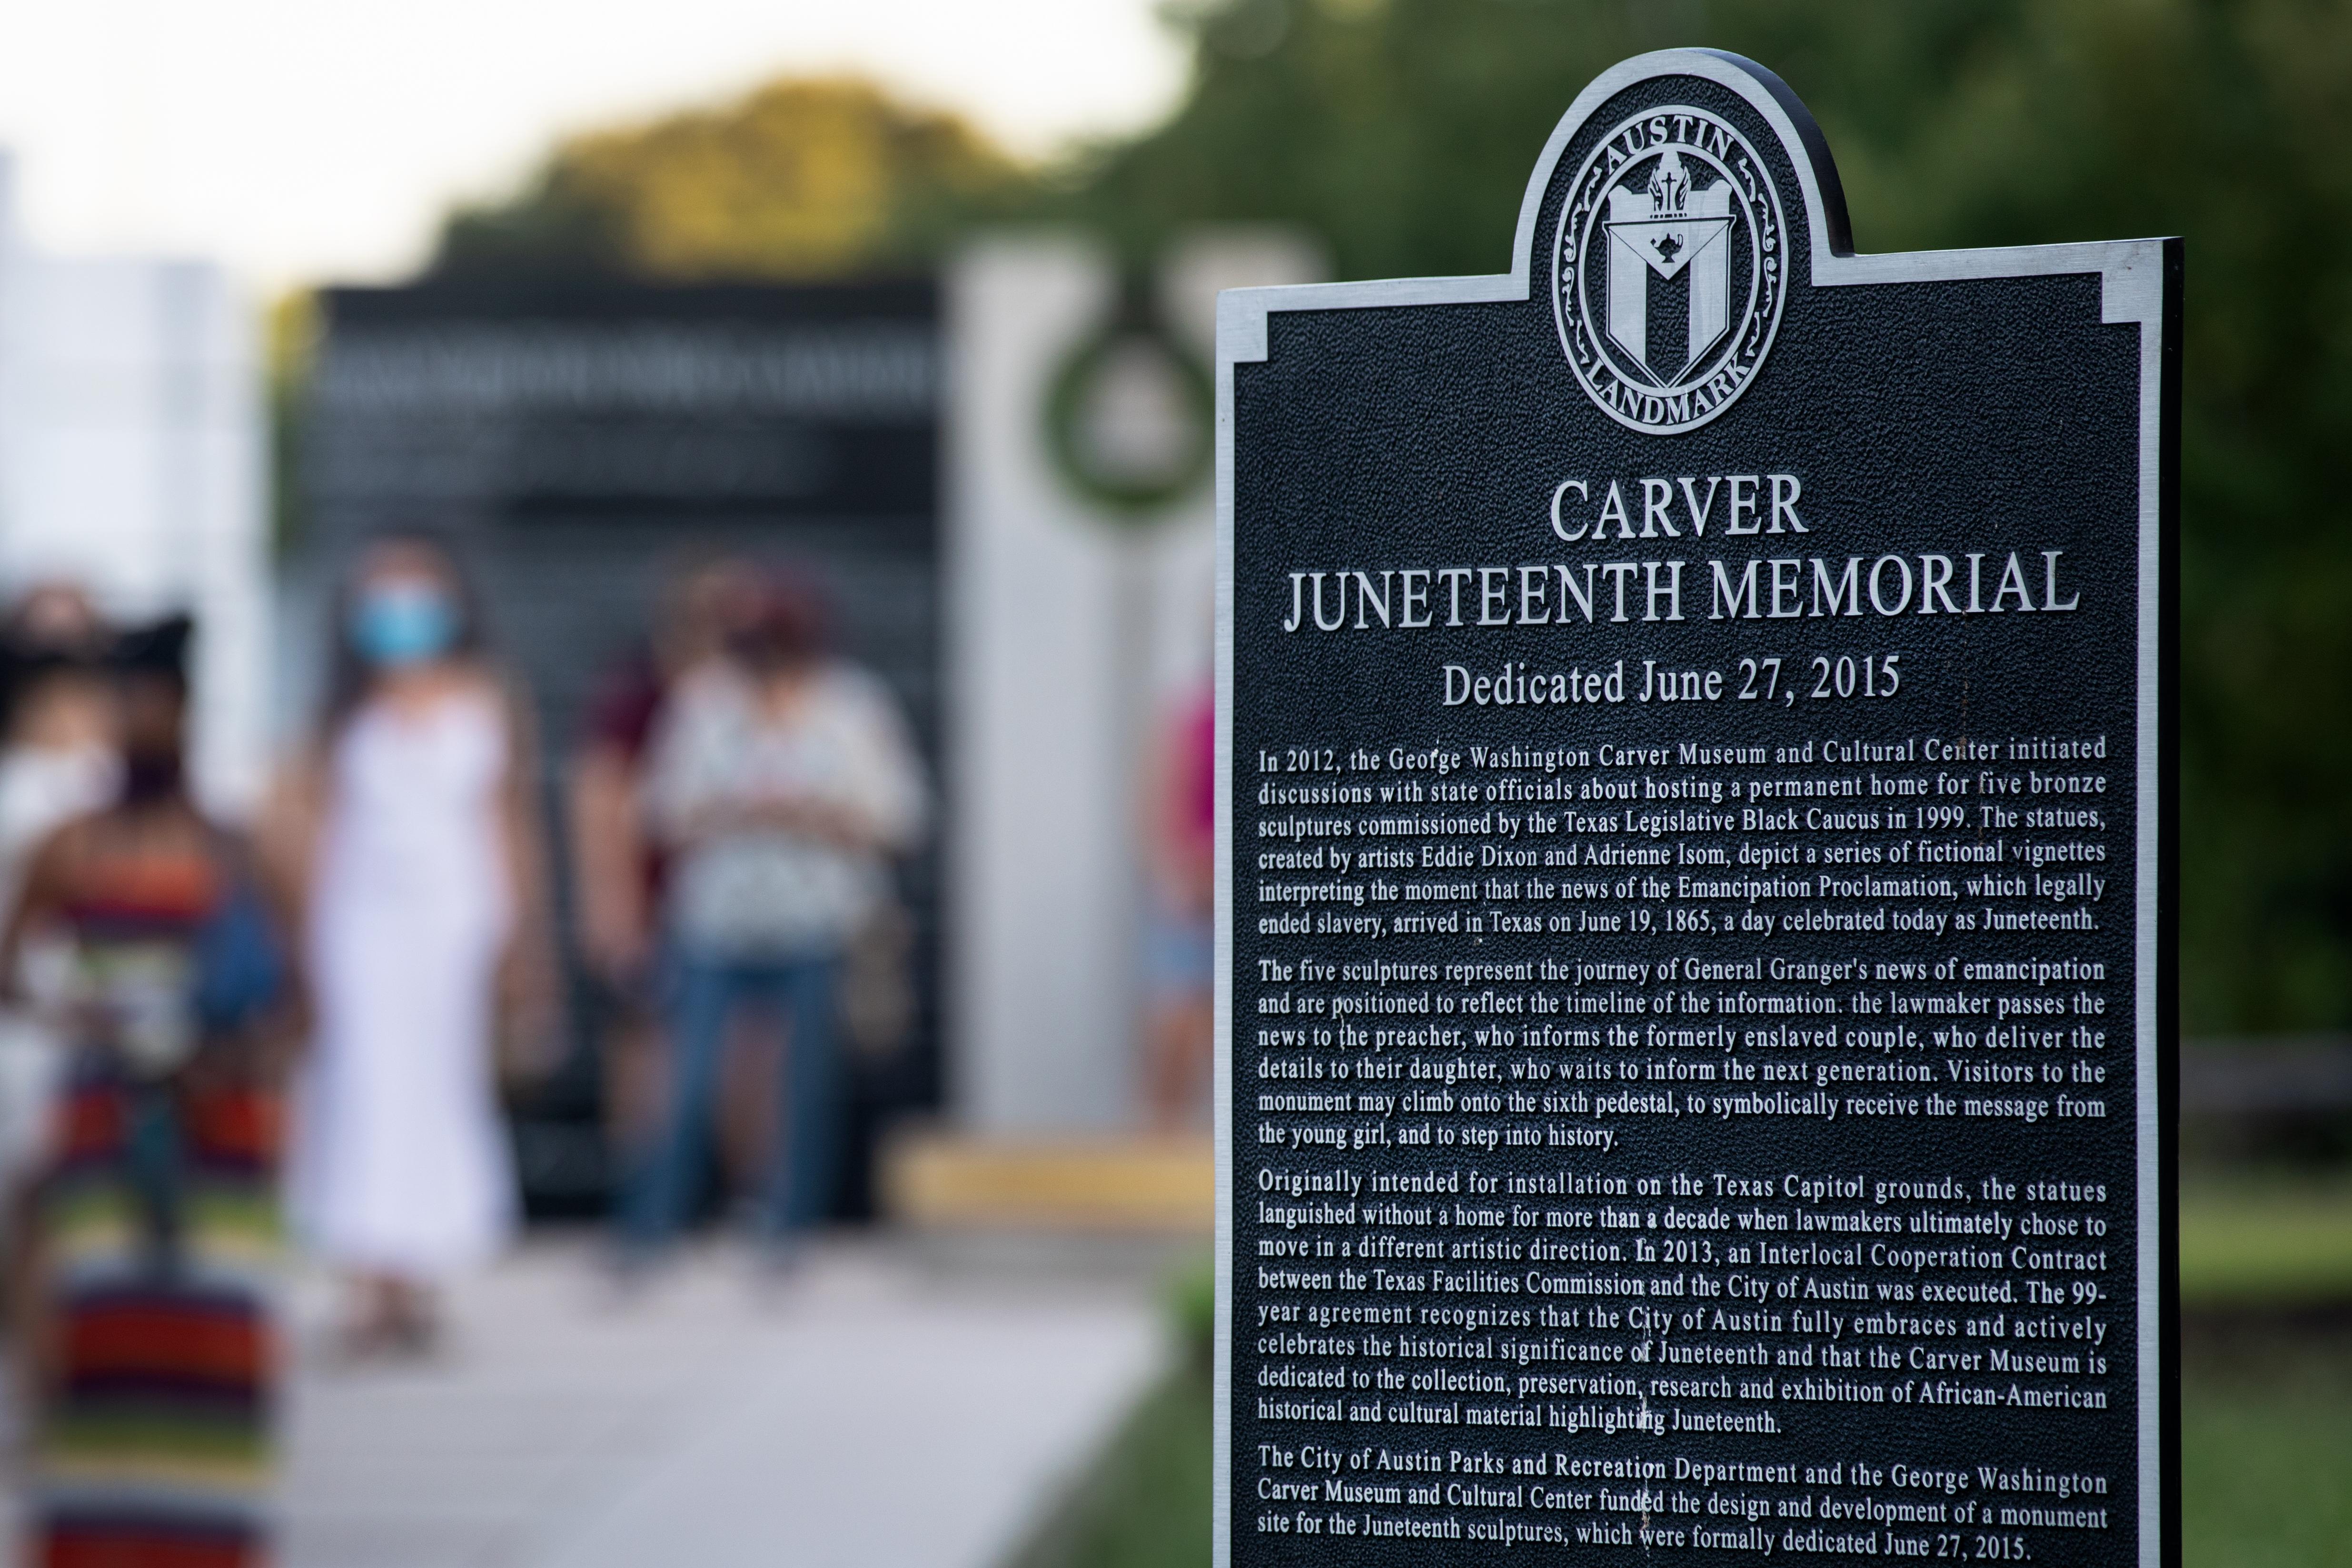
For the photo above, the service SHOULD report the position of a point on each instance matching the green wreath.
(1129, 501)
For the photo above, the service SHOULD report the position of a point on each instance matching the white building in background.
(133, 461)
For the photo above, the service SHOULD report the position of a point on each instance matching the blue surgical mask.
(399, 623)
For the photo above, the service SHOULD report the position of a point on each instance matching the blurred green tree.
(1401, 132)
(801, 179)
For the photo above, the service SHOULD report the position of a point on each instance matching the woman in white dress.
(411, 824)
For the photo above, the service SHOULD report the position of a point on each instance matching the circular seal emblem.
(1670, 269)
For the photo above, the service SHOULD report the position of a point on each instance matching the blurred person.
(410, 826)
(58, 760)
(156, 1240)
(619, 867)
(781, 780)
(1179, 963)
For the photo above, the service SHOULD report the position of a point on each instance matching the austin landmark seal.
(1670, 269)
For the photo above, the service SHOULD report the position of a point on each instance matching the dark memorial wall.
(581, 443)
(1697, 888)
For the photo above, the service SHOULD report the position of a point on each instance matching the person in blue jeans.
(781, 781)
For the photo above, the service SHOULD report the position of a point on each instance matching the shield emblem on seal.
(1670, 232)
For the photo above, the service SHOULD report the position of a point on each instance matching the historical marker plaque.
(1695, 887)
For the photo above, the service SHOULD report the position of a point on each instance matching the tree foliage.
(1400, 133)
(801, 179)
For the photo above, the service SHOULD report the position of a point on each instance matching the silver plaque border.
(2131, 273)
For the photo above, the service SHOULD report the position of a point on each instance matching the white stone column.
(1070, 634)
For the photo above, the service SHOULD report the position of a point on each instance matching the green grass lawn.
(2251, 1241)
(2266, 1452)
(1144, 1503)
(2267, 1407)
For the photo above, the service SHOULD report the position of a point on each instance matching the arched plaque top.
(1829, 233)
(2129, 269)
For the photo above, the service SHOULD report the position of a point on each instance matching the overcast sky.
(305, 141)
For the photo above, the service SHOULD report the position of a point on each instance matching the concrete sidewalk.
(876, 1408)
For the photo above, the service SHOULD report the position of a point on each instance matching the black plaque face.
(1696, 890)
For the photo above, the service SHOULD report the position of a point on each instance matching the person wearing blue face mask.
(401, 621)
(410, 825)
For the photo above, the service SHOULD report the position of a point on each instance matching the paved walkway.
(877, 1409)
